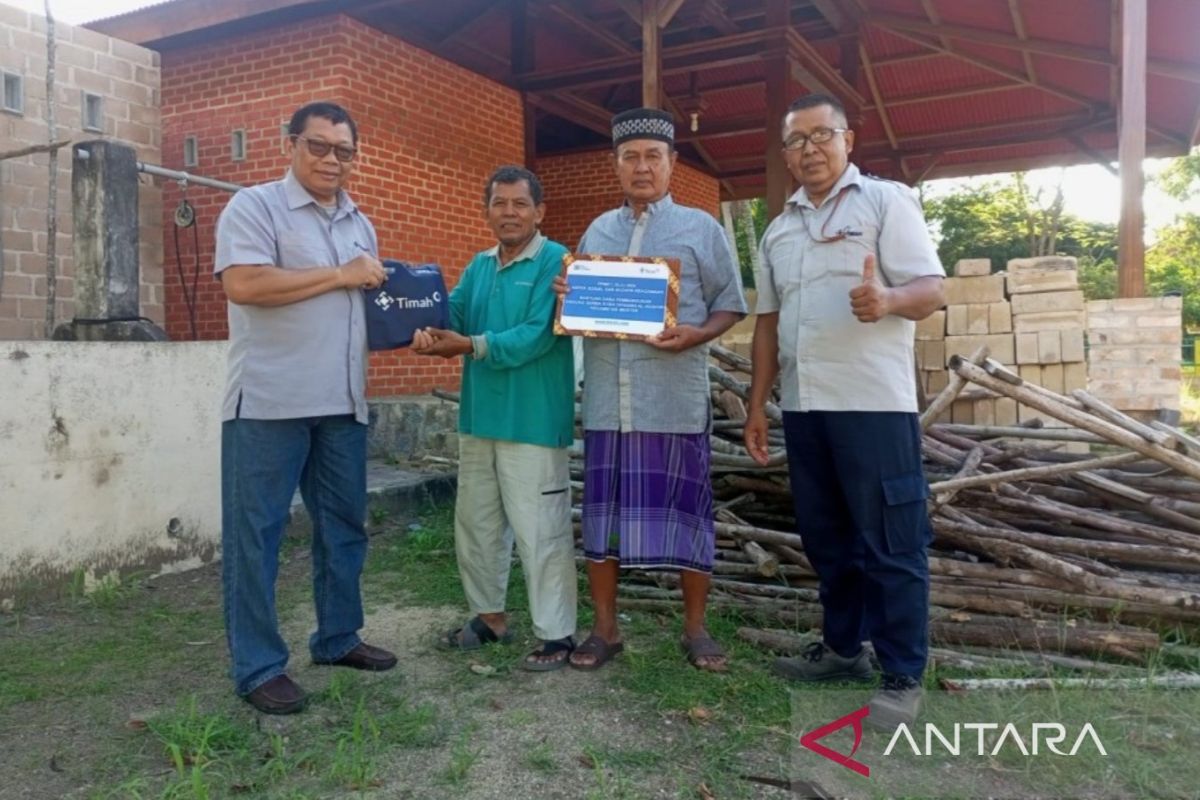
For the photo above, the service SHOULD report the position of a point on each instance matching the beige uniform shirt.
(830, 361)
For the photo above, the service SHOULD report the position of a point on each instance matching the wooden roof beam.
(827, 78)
(667, 9)
(563, 12)
(884, 117)
(574, 109)
(1014, 11)
(1001, 70)
(1092, 153)
(708, 54)
(1075, 52)
(714, 14)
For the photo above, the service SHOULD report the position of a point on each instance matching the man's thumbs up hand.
(870, 300)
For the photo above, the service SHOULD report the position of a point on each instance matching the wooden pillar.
(651, 56)
(778, 70)
(1131, 151)
(521, 43)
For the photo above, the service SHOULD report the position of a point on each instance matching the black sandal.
(473, 635)
(551, 647)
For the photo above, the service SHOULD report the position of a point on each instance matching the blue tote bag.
(412, 297)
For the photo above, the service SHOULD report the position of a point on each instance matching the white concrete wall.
(102, 445)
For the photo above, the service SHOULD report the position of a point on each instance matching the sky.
(1090, 192)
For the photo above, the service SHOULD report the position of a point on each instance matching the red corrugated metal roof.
(1002, 99)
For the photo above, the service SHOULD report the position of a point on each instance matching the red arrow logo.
(855, 718)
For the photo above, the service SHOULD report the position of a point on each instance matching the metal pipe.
(174, 175)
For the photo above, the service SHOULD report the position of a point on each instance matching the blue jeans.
(262, 463)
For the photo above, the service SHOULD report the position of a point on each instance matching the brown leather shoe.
(280, 695)
(364, 656)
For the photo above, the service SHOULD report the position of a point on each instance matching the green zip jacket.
(519, 383)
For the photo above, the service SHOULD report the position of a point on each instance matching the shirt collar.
(657, 207)
(298, 197)
(531, 249)
(849, 177)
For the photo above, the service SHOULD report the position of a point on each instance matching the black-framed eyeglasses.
(819, 136)
(319, 149)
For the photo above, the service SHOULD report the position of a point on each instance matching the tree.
(1007, 219)
(1173, 263)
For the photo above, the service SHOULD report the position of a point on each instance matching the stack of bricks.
(1135, 353)
(977, 313)
(1049, 319)
(1031, 318)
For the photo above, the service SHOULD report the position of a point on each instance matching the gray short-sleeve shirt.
(305, 359)
(828, 359)
(631, 386)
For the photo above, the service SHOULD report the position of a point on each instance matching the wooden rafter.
(667, 9)
(835, 14)
(880, 107)
(563, 12)
(1075, 52)
(974, 91)
(632, 9)
(714, 14)
(1014, 11)
(575, 109)
(951, 140)
(828, 79)
(709, 54)
(1092, 153)
(471, 14)
(1001, 70)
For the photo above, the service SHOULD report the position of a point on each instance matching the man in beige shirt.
(846, 269)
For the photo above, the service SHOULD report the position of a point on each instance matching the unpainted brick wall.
(581, 186)
(126, 77)
(429, 135)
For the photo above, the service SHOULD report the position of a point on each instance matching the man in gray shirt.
(846, 269)
(647, 495)
(293, 257)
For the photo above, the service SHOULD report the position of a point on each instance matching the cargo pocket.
(905, 518)
(554, 513)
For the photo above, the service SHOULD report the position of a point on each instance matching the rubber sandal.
(600, 649)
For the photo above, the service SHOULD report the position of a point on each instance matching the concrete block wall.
(1134, 352)
(96, 478)
(126, 77)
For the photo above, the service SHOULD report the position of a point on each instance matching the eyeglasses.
(319, 149)
(819, 136)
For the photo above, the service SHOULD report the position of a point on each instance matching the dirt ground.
(96, 691)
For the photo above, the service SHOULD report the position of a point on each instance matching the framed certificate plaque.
(623, 297)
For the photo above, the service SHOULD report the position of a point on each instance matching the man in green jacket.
(515, 423)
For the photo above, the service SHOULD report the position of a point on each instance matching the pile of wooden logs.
(1042, 558)
(1040, 551)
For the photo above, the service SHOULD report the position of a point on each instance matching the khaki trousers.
(506, 491)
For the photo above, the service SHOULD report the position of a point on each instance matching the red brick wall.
(581, 186)
(429, 134)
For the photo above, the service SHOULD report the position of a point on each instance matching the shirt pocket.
(905, 518)
(301, 251)
(786, 259)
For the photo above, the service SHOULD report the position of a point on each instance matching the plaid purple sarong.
(647, 500)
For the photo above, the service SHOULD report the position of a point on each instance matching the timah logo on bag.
(412, 298)
(386, 301)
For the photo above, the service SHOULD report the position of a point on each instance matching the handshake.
(440, 342)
